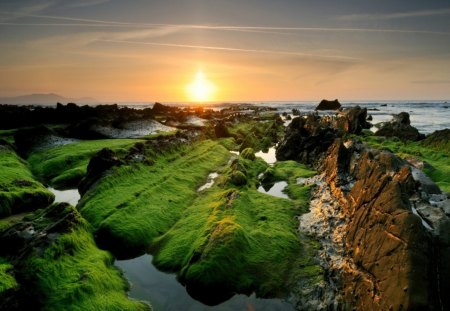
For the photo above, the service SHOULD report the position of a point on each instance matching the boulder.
(400, 127)
(328, 105)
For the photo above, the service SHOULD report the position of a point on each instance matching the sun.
(201, 89)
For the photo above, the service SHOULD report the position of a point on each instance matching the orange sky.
(151, 51)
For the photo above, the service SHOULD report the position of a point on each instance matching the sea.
(426, 116)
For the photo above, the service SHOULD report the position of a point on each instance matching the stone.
(328, 105)
(400, 127)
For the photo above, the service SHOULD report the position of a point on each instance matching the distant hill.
(45, 99)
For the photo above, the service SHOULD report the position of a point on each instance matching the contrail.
(263, 29)
(220, 48)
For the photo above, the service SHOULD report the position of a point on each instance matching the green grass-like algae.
(64, 166)
(19, 191)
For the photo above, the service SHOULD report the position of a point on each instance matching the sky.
(246, 50)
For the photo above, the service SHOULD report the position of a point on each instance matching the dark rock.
(328, 105)
(352, 120)
(400, 127)
(99, 163)
(221, 130)
(304, 141)
(30, 138)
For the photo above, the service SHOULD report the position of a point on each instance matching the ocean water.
(426, 116)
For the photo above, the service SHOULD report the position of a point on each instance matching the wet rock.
(328, 105)
(400, 127)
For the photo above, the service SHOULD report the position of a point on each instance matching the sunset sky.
(247, 50)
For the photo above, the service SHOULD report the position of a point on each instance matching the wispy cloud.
(26, 11)
(86, 3)
(407, 14)
(84, 22)
(231, 49)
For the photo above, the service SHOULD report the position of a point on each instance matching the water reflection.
(71, 196)
(165, 293)
(275, 189)
(268, 156)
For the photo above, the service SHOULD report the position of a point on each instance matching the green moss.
(134, 204)
(18, 189)
(437, 156)
(7, 135)
(256, 135)
(73, 274)
(7, 280)
(239, 240)
(64, 166)
(248, 153)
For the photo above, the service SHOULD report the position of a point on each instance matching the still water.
(165, 293)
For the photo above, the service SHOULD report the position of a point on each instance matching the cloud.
(86, 3)
(26, 10)
(231, 49)
(408, 14)
(84, 22)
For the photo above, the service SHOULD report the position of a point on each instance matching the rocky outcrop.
(400, 127)
(328, 105)
(351, 120)
(307, 138)
(385, 241)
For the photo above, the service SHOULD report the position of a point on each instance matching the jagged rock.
(400, 127)
(387, 244)
(352, 120)
(328, 105)
(393, 257)
(99, 163)
(304, 140)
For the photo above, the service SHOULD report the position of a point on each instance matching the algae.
(437, 156)
(19, 191)
(64, 166)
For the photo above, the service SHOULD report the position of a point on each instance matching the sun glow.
(201, 89)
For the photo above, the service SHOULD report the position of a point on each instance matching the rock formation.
(328, 105)
(400, 127)
(387, 244)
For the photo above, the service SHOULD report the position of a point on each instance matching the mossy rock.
(238, 178)
(248, 153)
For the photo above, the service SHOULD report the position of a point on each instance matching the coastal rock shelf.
(231, 210)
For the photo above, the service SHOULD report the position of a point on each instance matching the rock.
(30, 138)
(400, 127)
(328, 105)
(221, 130)
(99, 163)
(386, 244)
(305, 141)
(238, 178)
(438, 140)
(352, 120)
